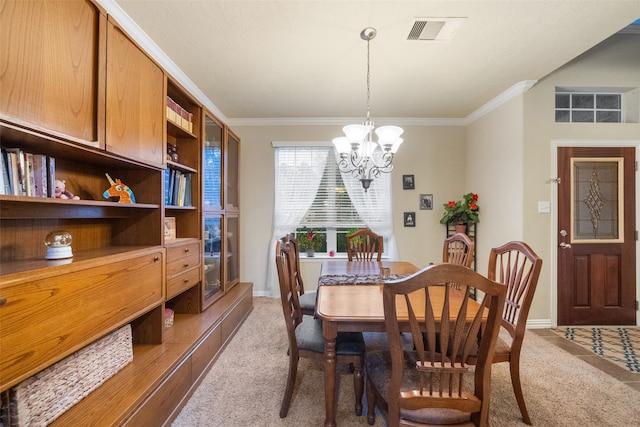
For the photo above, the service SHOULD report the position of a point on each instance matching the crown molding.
(130, 27)
(152, 49)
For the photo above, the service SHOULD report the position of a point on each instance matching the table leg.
(330, 332)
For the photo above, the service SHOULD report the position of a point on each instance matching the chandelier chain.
(368, 80)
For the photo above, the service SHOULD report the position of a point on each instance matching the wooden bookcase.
(124, 269)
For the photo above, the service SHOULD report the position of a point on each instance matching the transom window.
(588, 107)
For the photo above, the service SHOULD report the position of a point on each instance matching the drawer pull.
(186, 265)
(186, 250)
(3, 301)
(156, 258)
(185, 281)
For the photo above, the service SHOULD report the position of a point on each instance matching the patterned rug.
(618, 345)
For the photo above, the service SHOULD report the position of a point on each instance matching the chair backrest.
(364, 245)
(516, 265)
(296, 265)
(458, 249)
(443, 341)
(290, 303)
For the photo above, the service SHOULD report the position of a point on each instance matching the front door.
(596, 236)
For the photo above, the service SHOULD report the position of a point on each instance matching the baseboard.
(539, 324)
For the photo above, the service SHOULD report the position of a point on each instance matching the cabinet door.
(212, 287)
(232, 195)
(135, 101)
(212, 165)
(48, 63)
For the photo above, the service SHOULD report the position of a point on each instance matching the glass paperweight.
(58, 245)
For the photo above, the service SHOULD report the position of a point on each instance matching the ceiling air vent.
(434, 29)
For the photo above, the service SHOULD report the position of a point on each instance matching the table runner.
(356, 279)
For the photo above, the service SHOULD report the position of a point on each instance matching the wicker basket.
(39, 400)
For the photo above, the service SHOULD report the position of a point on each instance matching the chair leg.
(358, 385)
(514, 367)
(371, 403)
(291, 381)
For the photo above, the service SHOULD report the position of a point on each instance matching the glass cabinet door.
(212, 287)
(233, 154)
(212, 165)
(233, 255)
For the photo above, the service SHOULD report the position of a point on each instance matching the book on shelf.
(51, 176)
(16, 157)
(29, 177)
(40, 185)
(177, 188)
(5, 180)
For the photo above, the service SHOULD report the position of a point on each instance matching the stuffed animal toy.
(61, 192)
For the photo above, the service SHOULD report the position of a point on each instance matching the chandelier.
(359, 154)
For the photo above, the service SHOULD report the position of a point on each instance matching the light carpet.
(246, 384)
(620, 345)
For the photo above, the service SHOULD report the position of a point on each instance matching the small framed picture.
(426, 202)
(409, 219)
(408, 182)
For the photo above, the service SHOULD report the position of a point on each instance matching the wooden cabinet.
(134, 101)
(105, 112)
(221, 210)
(50, 67)
(40, 311)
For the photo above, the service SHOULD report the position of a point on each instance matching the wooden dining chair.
(458, 249)
(307, 299)
(305, 334)
(364, 245)
(430, 383)
(516, 265)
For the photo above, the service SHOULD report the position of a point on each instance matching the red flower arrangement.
(464, 211)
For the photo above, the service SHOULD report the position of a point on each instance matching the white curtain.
(298, 172)
(374, 206)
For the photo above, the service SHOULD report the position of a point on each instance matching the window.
(315, 202)
(594, 105)
(331, 216)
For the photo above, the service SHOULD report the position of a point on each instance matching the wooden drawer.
(49, 316)
(182, 265)
(182, 282)
(183, 251)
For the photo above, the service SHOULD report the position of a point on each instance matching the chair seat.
(378, 367)
(309, 337)
(308, 302)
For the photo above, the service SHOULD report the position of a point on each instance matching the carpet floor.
(620, 345)
(246, 384)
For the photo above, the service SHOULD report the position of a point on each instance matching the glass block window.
(583, 107)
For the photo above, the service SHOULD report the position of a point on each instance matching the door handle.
(564, 245)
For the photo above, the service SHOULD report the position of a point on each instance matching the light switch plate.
(544, 207)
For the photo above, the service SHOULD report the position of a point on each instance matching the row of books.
(177, 187)
(179, 115)
(26, 174)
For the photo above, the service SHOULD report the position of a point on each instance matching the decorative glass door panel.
(212, 165)
(598, 197)
(212, 266)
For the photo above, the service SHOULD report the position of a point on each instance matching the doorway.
(596, 254)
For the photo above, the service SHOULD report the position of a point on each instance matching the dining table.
(349, 299)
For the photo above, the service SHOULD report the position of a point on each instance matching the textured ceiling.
(305, 59)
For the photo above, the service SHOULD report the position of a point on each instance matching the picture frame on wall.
(409, 219)
(426, 202)
(408, 182)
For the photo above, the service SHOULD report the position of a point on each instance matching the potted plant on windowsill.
(462, 212)
(308, 243)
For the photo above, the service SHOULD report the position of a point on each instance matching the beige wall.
(505, 156)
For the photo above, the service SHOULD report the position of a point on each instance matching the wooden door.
(596, 236)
